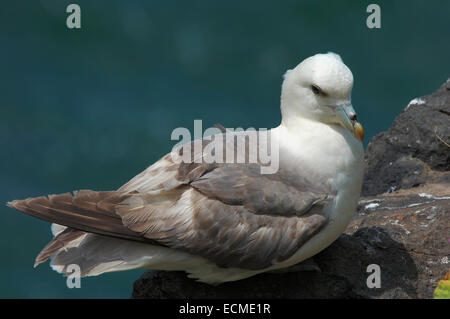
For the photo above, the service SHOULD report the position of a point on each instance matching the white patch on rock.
(396, 223)
(416, 101)
(433, 197)
(433, 213)
(391, 189)
(365, 201)
(371, 206)
(420, 211)
(416, 204)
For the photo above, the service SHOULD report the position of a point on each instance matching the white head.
(319, 89)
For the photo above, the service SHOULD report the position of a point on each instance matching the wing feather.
(228, 213)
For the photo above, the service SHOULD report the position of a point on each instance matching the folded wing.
(228, 213)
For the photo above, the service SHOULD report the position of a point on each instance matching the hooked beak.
(347, 118)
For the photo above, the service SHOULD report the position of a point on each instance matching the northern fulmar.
(225, 220)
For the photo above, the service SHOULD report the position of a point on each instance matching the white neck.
(325, 151)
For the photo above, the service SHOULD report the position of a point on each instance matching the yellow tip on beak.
(346, 116)
(358, 131)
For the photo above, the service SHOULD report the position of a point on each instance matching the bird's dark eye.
(317, 90)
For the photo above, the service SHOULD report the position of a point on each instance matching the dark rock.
(410, 153)
(406, 231)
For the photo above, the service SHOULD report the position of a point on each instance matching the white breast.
(327, 155)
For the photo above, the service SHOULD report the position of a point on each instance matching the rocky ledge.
(402, 224)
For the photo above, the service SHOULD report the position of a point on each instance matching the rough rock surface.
(413, 151)
(402, 224)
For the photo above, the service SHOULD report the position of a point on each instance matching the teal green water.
(91, 108)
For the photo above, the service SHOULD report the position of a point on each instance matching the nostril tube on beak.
(353, 117)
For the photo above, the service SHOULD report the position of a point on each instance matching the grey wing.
(237, 184)
(230, 214)
(255, 220)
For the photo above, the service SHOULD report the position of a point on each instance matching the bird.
(225, 220)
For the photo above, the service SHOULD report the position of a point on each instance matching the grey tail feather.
(60, 241)
(85, 210)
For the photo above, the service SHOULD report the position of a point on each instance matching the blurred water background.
(91, 108)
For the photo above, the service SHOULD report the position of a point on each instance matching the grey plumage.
(239, 217)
